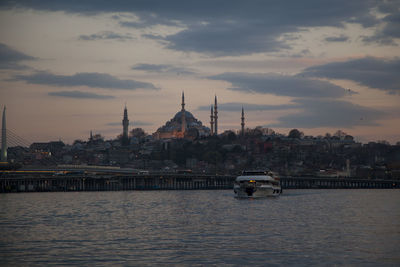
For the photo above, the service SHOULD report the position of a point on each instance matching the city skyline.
(69, 68)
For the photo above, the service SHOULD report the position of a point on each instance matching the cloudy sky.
(68, 67)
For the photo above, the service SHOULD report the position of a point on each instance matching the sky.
(70, 67)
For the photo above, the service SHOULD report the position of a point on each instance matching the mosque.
(182, 125)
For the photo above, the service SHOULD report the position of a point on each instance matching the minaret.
(91, 136)
(212, 120)
(183, 114)
(4, 138)
(215, 116)
(242, 124)
(125, 124)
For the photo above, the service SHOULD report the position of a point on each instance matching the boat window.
(254, 173)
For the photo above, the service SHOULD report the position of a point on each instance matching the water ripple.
(197, 228)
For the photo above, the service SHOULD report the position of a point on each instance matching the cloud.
(142, 123)
(341, 38)
(11, 58)
(147, 20)
(80, 95)
(225, 39)
(302, 53)
(314, 113)
(392, 27)
(257, 27)
(105, 35)
(373, 72)
(389, 29)
(162, 68)
(281, 85)
(226, 27)
(378, 38)
(97, 80)
(237, 107)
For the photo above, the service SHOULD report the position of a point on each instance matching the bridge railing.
(23, 182)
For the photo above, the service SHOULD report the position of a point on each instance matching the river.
(197, 228)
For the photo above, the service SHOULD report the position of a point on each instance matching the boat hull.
(257, 192)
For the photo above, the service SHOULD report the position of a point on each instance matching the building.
(52, 146)
(182, 125)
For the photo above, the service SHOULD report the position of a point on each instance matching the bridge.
(52, 181)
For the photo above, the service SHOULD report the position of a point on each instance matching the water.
(189, 228)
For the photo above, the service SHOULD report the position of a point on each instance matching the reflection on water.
(143, 228)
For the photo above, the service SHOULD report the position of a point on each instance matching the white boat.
(255, 184)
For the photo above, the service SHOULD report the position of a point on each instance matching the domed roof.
(188, 115)
(193, 126)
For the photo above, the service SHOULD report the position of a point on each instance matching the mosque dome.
(173, 127)
(188, 116)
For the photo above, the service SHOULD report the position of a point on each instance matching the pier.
(53, 182)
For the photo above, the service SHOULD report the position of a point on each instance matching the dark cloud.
(158, 38)
(224, 39)
(131, 24)
(147, 20)
(142, 123)
(366, 20)
(237, 107)
(105, 35)
(97, 80)
(162, 68)
(223, 27)
(390, 28)
(79, 94)
(300, 54)
(117, 123)
(378, 38)
(388, 6)
(282, 85)
(341, 38)
(314, 113)
(11, 58)
(373, 72)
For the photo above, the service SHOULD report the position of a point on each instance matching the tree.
(349, 138)
(229, 136)
(340, 134)
(78, 141)
(295, 134)
(98, 137)
(138, 133)
(256, 132)
(383, 142)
